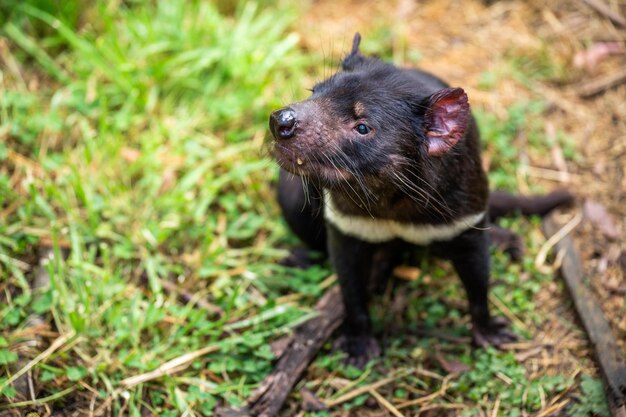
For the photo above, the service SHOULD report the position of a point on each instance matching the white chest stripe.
(382, 230)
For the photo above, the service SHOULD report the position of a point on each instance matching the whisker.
(441, 208)
(356, 172)
(439, 198)
(305, 189)
(347, 182)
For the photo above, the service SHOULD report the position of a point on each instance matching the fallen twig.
(383, 402)
(60, 341)
(507, 312)
(307, 340)
(367, 388)
(602, 8)
(609, 355)
(427, 398)
(553, 240)
(40, 401)
(169, 367)
(601, 84)
(554, 408)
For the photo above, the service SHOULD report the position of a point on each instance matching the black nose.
(283, 123)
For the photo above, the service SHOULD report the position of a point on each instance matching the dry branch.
(386, 404)
(60, 341)
(170, 367)
(599, 85)
(609, 355)
(368, 388)
(307, 340)
(602, 8)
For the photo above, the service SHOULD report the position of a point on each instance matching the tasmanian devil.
(382, 159)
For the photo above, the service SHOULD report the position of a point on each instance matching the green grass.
(144, 154)
(132, 144)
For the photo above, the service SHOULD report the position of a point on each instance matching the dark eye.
(362, 129)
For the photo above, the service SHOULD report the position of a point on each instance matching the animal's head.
(366, 121)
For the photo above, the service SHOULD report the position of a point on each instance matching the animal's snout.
(283, 123)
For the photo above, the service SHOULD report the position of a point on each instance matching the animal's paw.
(508, 242)
(515, 250)
(300, 258)
(359, 349)
(514, 247)
(494, 333)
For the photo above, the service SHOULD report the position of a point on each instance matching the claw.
(359, 349)
(300, 258)
(495, 333)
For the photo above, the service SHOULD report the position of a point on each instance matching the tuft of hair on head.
(356, 42)
(355, 58)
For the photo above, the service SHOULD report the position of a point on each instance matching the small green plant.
(533, 65)
(501, 140)
(592, 401)
(498, 375)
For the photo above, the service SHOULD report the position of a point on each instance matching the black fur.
(416, 161)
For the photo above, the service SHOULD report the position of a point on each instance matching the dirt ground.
(460, 41)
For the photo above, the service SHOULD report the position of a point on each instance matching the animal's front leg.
(470, 256)
(352, 261)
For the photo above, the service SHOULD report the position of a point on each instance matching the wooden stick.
(599, 85)
(602, 8)
(60, 341)
(540, 259)
(373, 386)
(609, 355)
(170, 367)
(382, 401)
(307, 340)
(40, 401)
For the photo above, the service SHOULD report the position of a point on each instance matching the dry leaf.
(451, 367)
(130, 154)
(408, 273)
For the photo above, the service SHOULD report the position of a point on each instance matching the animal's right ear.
(446, 119)
(355, 58)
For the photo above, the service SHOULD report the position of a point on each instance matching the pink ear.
(446, 119)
